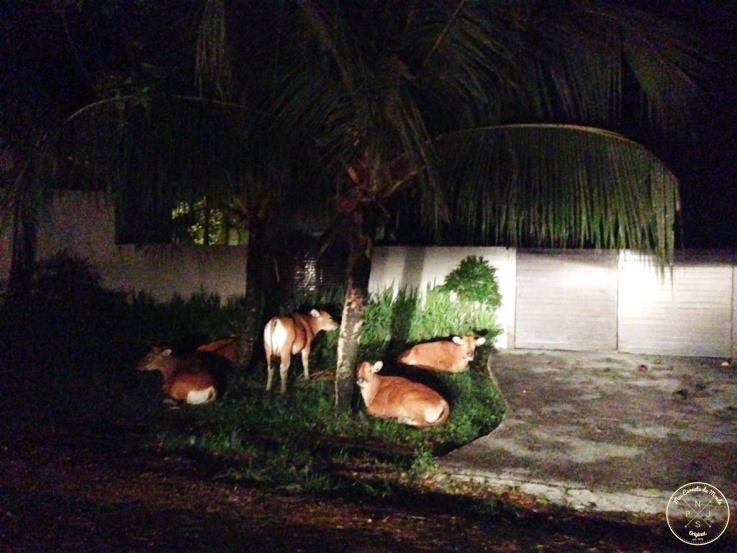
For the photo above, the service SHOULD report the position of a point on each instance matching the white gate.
(690, 315)
(566, 299)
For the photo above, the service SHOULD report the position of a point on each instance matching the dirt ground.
(96, 491)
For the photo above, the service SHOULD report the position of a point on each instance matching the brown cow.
(287, 335)
(227, 348)
(449, 356)
(185, 377)
(399, 398)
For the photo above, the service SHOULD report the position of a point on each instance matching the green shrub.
(201, 316)
(474, 280)
(466, 303)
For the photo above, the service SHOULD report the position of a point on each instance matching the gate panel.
(690, 315)
(566, 300)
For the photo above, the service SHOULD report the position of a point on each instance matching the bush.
(184, 321)
(466, 303)
(474, 280)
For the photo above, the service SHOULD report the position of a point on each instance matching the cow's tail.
(269, 339)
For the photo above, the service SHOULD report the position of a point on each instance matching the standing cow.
(448, 356)
(287, 335)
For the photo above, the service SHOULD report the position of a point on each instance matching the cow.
(185, 377)
(227, 348)
(404, 400)
(287, 335)
(448, 356)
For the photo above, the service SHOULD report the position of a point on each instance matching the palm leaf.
(558, 185)
(174, 147)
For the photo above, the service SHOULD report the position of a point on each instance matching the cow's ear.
(315, 313)
(480, 341)
(457, 340)
(377, 367)
(166, 352)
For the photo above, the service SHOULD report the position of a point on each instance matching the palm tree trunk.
(22, 264)
(256, 283)
(358, 272)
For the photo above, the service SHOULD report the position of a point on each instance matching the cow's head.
(154, 359)
(324, 320)
(468, 344)
(366, 371)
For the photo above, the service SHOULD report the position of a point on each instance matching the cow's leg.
(269, 374)
(283, 372)
(306, 362)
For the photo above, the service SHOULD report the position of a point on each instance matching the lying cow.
(287, 335)
(399, 398)
(227, 348)
(448, 356)
(185, 377)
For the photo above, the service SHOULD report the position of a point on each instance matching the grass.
(298, 442)
(69, 359)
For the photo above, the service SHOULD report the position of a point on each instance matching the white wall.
(690, 312)
(592, 300)
(566, 299)
(83, 225)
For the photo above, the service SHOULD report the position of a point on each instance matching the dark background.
(43, 80)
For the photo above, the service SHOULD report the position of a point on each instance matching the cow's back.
(433, 355)
(303, 333)
(410, 402)
(225, 348)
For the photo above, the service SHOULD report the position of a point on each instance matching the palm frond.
(212, 59)
(163, 150)
(558, 185)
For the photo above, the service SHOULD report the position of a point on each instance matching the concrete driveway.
(607, 432)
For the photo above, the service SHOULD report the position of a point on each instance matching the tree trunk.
(22, 264)
(256, 282)
(358, 272)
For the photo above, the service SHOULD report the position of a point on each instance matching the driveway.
(607, 432)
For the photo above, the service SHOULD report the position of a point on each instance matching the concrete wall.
(690, 312)
(733, 354)
(83, 225)
(566, 300)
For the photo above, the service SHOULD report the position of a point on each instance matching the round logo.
(697, 513)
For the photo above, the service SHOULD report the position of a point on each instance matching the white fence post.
(733, 353)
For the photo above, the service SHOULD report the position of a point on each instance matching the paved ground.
(607, 432)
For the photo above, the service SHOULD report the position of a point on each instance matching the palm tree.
(493, 121)
(484, 121)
